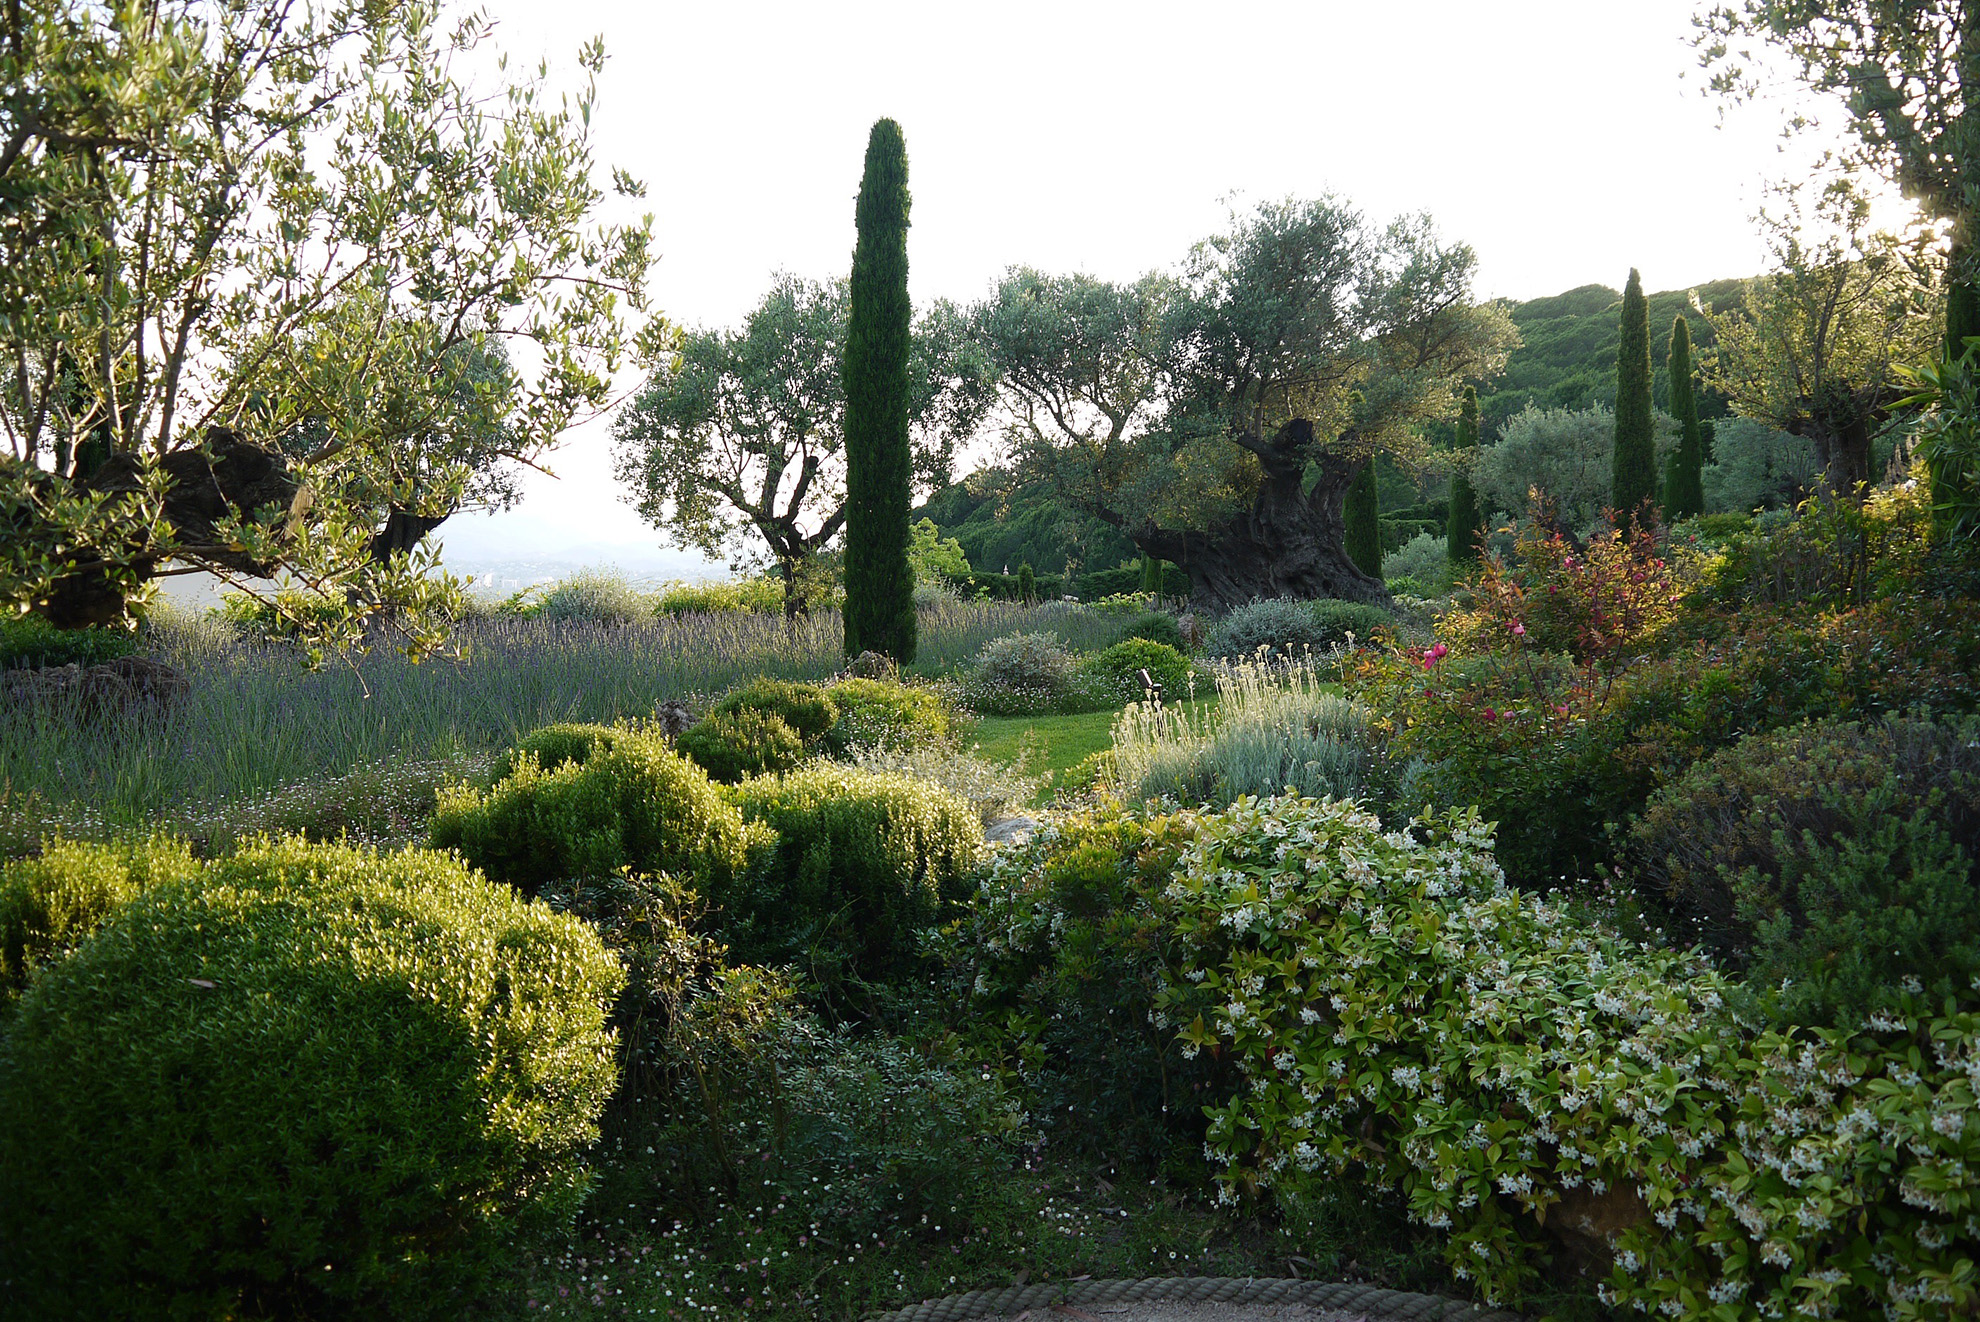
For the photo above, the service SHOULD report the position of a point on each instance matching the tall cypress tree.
(879, 466)
(1461, 530)
(1636, 451)
(1684, 487)
(1361, 535)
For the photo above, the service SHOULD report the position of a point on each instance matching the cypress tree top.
(879, 463)
(1635, 478)
(1684, 492)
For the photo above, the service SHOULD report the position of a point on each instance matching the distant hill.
(1567, 358)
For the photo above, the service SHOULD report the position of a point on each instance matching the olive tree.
(237, 223)
(735, 445)
(1218, 416)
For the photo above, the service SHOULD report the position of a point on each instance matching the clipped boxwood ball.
(314, 1082)
(805, 708)
(554, 745)
(637, 804)
(731, 745)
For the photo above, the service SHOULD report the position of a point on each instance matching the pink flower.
(1491, 715)
(1519, 630)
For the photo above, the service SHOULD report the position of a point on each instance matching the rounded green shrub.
(862, 861)
(49, 904)
(731, 745)
(1335, 620)
(1156, 627)
(589, 597)
(1827, 862)
(1280, 627)
(1120, 667)
(876, 712)
(638, 804)
(554, 745)
(805, 708)
(316, 1082)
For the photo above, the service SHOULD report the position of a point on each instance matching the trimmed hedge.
(49, 904)
(875, 712)
(862, 861)
(1120, 667)
(741, 742)
(805, 708)
(637, 804)
(554, 745)
(314, 1081)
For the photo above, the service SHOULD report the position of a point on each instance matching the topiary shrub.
(734, 744)
(1156, 627)
(554, 745)
(1828, 862)
(589, 597)
(1120, 668)
(874, 712)
(1280, 628)
(1335, 620)
(805, 708)
(862, 861)
(1032, 674)
(49, 904)
(316, 1081)
(638, 804)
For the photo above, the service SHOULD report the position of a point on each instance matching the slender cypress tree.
(1362, 515)
(879, 466)
(1684, 488)
(1636, 452)
(1461, 531)
(1151, 574)
(1027, 583)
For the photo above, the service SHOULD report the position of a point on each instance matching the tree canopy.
(230, 221)
(735, 445)
(1217, 416)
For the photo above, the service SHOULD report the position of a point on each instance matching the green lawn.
(1061, 742)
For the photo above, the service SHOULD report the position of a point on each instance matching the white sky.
(1565, 140)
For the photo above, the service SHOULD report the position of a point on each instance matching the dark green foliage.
(1361, 535)
(1684, 484)
(28, 642)
(806, 708)
(316, 1082)
(1121, 666)
(862, 861)
(1333, 621)
(1789, 854)
(1156, 627)
(49, 904)
(879, 463)
(1636, 458)
(1027, 584)
(1000, 530)
(1151, 573)
(1462, 525)
(882, 711)
(1566, 357)
(639, 805)
(554, 745)
(746, 741)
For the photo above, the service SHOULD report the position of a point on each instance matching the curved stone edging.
(1398, 1305)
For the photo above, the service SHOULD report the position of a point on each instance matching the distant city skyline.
(1566, 142)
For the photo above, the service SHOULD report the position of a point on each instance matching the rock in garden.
(871, 665)
(111, 689)
(1010, 831)
(672, 716)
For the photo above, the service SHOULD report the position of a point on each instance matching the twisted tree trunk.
(1289, 543)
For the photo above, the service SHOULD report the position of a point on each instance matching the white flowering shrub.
(1395, 1010)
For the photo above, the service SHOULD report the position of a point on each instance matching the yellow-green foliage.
(862, 861)
(637, 804)
(747, 594)
(554, 745)
(806, 708)
(747, 741)
(880, 711)
(314, 1081)
(49, 904)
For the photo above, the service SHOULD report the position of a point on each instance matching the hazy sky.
(1565, 140)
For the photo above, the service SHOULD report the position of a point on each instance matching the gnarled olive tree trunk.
(1289, 543)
